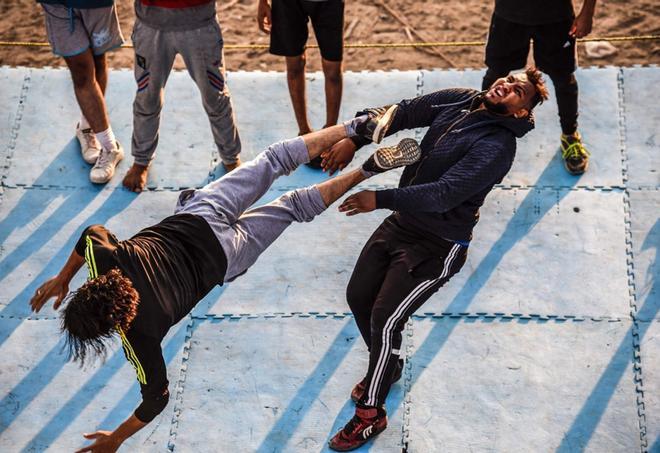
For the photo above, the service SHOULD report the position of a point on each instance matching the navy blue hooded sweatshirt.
(465, 152)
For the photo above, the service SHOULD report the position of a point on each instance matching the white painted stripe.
(388, 330)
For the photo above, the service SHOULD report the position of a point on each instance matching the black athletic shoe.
(361, 386)
(406, 152)
(376, 126)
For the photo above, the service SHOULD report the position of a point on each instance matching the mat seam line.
(178, 397)
(409, 348)
(470, 316)
(630, 268)
(13, 134)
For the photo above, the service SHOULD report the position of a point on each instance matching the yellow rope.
(368, 46)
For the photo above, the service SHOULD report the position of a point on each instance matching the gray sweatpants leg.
(201, 50)
(244, 234)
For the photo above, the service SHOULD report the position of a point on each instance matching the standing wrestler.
(163, 29)
(139, 288)
(82, 32)
(469, 147)
(554, 29)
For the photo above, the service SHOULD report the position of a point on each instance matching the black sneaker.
(360, 387)
(376, 126)
(406, 152)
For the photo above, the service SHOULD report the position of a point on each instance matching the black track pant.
(394, 275)
(554, 54)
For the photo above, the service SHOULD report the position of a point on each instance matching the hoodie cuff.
(385, 199)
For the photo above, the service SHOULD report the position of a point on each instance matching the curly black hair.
(95, 311)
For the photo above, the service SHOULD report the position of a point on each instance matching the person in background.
(286, 22)
(163, 29)
(81, 32)
(554, 28)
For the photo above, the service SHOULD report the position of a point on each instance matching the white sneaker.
(90, 148)
(104, 168)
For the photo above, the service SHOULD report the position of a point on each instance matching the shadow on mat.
(585, 423)
(126, 404)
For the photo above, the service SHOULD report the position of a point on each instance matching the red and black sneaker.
(360, 387)
(365, 424)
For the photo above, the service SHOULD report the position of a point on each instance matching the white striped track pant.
(394, 275)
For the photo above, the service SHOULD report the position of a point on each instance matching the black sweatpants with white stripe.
(395, 274)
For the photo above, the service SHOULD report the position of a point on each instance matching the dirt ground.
(365, 22)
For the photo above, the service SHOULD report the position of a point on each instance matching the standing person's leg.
(328, 23)
(154, 58)
(202, 52)
(288, 37)
(101, 71)
(88, 93)
(77, 36)
(507, 49)
(334, 85)
(555, 54)
(295, 79)
(411, 278)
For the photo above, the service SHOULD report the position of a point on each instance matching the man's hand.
(583, 22)
(264, 18)
(364, 201)
(105, 442)
(338, 156)
(55, 287)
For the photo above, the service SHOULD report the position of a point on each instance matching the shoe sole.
(362, 442)
(406, 152)
(384, 124)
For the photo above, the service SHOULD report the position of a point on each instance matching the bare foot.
(234, 166)
(136, 178)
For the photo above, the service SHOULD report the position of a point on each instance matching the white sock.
(84, 124)
(107, 139)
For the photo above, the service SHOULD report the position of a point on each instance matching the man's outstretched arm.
(57, 286)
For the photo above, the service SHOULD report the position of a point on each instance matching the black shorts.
(289, 33)
(508, 46)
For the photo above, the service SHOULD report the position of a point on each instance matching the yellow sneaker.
(574, 154)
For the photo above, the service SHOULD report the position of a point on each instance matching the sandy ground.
(365, 22)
